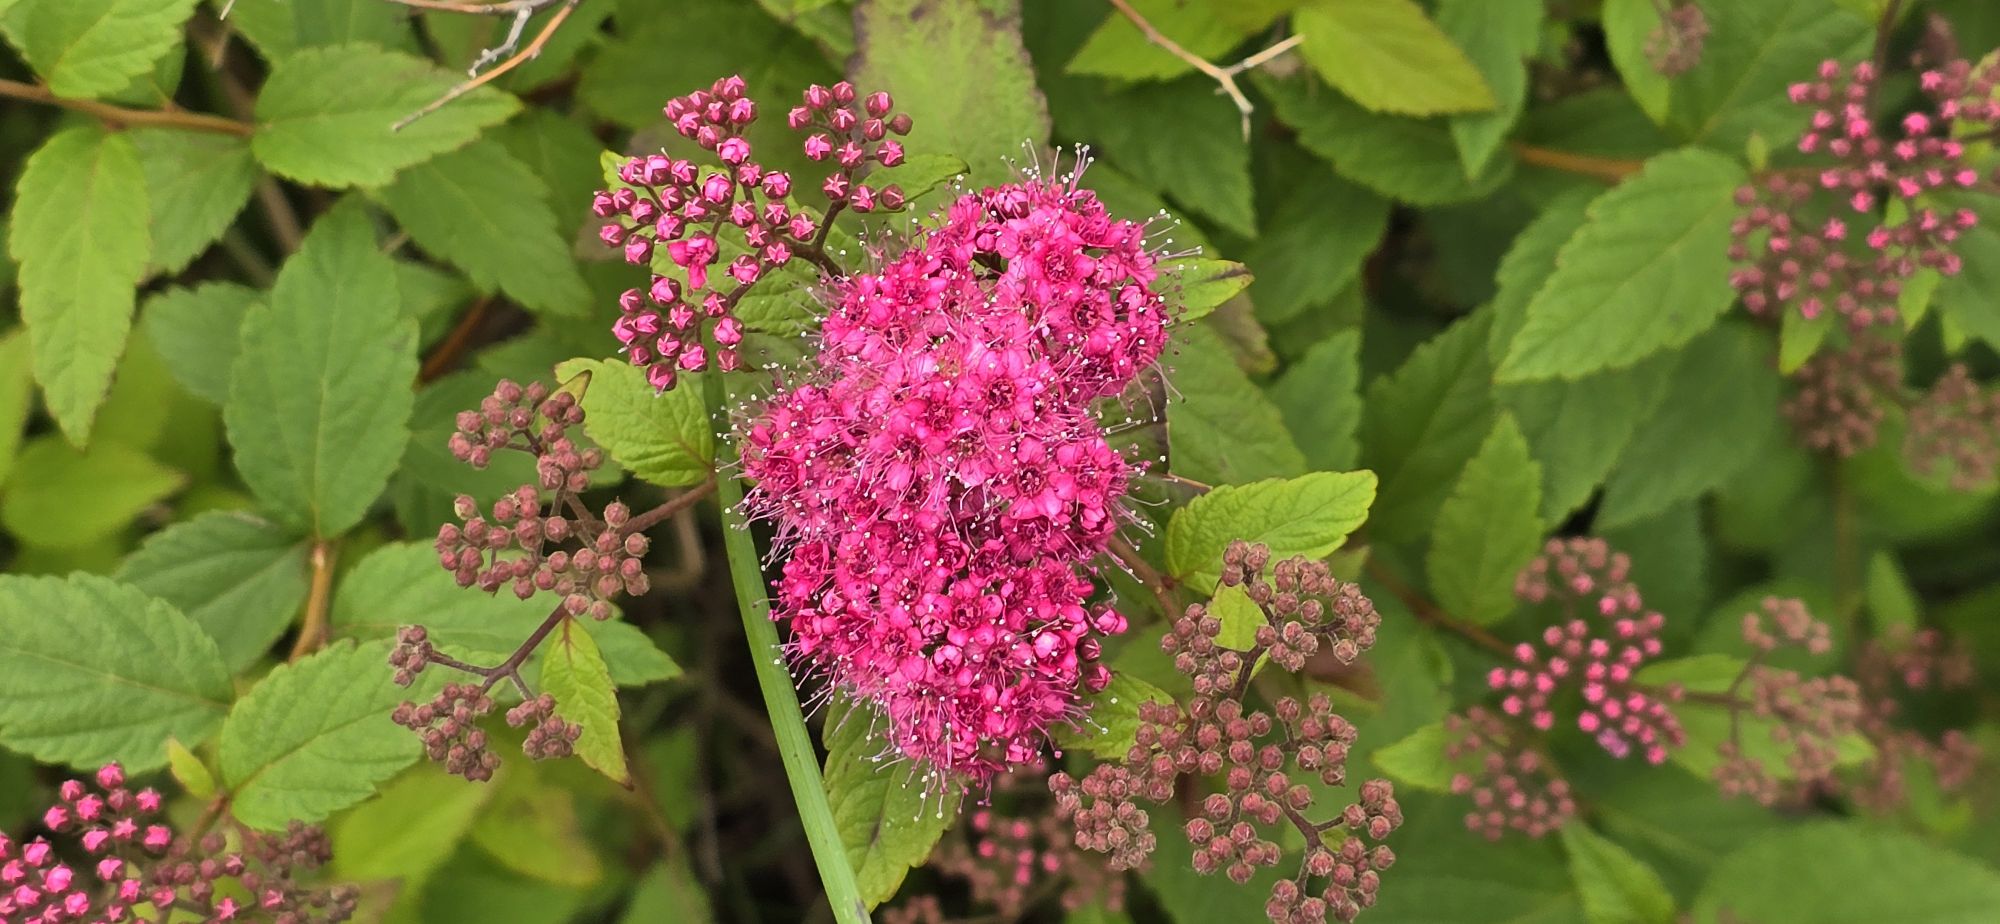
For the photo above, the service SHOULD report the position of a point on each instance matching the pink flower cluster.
(132, 864)
(1796, 249)
(1597, 657)
(698, 217)
(1513, 787)
(940, 481)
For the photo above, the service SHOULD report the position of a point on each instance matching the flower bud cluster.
(112, 861)
(1596, 652)
(1839, 404)
(1674, 46)
(1827, 241)
(1888, 669)
(1955, 428)
(697, 217)
(1513, 787)
(448, 725)
(1806, 716)
(1257, 752)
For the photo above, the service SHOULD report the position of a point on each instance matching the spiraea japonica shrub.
(999, 460)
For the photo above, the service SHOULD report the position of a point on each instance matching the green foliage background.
(1462, 286)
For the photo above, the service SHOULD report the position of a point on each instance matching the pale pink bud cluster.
(1806, 717)
(1596, 651)
(1888, 670)
(939, 481)
(1839, 404)
(111, 862)
(1828, 241)
(673, 211)
(1513, 787)
(1258, 755)
(1955, 428)
(1674, 46)
(448, 724)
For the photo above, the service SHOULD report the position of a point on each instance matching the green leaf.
(325, 115)
(1629, 26)
(1315, 241)
(1320, 398)
(314, 737)
(280, 27)
(1187, 897)
(984, 107)
(239, 577)
(1497, 35)
(920, 174)
(1616, 887)
(509, 242)
(1718, 413)
(79, 234)
(890, 812)
(1892, 605)
(1422, 423)
(1199, 158)
(1466, 879)
(531, 827)
(1648, 271)
(196, 184)
(573, 671)
(1389, 57)
(319, 396)
(400, 584)
(1411, 160)
(1754, 50)
(64, 498)
(17, 397)
(1207, 30)
(197, 332)
(1417, 761)
(188, 770)
(1204, 284)
(663, 438)
(91, 48)
(1111, 718)
(1855, 874)
(1220, 427)
(1310, 515)
(115, 676)
(1488, 528)
(669, 893)
(628, 79)
(407, 831)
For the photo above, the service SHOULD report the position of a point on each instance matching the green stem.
(781, 700)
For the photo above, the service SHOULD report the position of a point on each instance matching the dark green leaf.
(1488, 528)
(1220, 427)
(237, 576)
(890, 812)
(1319, 396)
(197, 332)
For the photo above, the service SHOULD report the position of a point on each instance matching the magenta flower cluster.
(939, 482)
(695, 217)
(1796, 241)
(113, 861)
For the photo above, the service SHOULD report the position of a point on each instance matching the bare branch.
(1225, 77)
(520, 10)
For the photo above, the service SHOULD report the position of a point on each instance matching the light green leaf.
(237, 576)
(1799, 338)
(1240, 617)
(314, 737)
(1892, 605)
(1204, 284)
(325, 115)
(17, 396)
(919, 174)
(1220, 427)
(984, 107)
(188, 770)
(410, 829)
(1310, 515)
(1422, 423)
(196, 183)
(197, 332)
(1718, 413)
(1411, 160)
(1315, 241)
(1117, 48)
(85, 49)
(1319, 396)
(531, 827)
(1389, 57)
(1615, 886)
(669, 893)
(1111, 718)
(1855, 873)
(663, 438)
(1754, 50)
(509, 242)
(79, 234)
(1417, 761)
(890, 812)
(573, 671)
(401, 584)
(280, 27)
(112, 679)
(1648, 271)
(63, 498)
(1488, 528)
(319, 396)
(1465, 879)
(1497, 35)
(1629, 26)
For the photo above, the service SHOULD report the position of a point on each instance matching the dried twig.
(1225, 76)
(508, 53)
